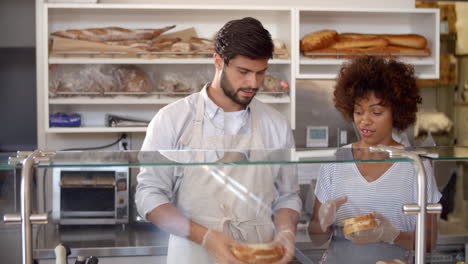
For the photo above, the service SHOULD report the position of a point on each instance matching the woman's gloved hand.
(287, 239)
(219, 246)
(384, 232)
(327, 212)
(389, 232)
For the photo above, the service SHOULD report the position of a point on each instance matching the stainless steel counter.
(134, 240)
(148, 240)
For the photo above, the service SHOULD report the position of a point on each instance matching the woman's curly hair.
(391, 81)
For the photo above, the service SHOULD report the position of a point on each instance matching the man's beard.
(233, 94)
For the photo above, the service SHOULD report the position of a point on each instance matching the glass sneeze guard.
(205, 157)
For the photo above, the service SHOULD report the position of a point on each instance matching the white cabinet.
(205, 20)
(286, 23)
(424, 22)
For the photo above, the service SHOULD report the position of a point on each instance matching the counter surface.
(148, 240)
(132, 240)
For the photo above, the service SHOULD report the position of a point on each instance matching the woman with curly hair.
(378, 95)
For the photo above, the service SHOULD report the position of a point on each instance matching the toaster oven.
(90, 195)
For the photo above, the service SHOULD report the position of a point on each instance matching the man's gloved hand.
(384, 232)
(327, 212)
(219, 246)
(287, 239)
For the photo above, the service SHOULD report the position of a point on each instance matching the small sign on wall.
(317, 136)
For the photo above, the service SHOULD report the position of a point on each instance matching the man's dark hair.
(246, 37)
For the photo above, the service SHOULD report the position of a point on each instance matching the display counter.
(90, 196)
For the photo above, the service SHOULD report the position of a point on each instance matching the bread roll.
(359, 223)
(318, 40)
(258, 253)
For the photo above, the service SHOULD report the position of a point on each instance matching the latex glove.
(219, 246)
(327, 212)
(286, 238)
(384, 232)
(389, 232)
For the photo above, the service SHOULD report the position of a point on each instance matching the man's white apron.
(234, 199)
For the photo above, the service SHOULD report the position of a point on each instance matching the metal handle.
(415, 209)
(15, 219)
(12, 219)
(434, 208)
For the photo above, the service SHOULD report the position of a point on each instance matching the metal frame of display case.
(26, 218)
(421, 208)
(30, 159)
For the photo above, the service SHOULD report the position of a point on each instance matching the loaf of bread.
(360, 223)
(111, 33)
(258, 253)
(318, 40)
(132, 79)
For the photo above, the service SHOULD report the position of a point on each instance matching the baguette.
(360, 43)
(409, 40)
(359, 223)
(318, 40)
(344, 36)
(111, 33)
(406, 40)
(383, 51)
(158, 44)
(258, 253)
(201, 44)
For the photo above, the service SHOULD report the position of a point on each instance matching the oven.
(90, 195)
